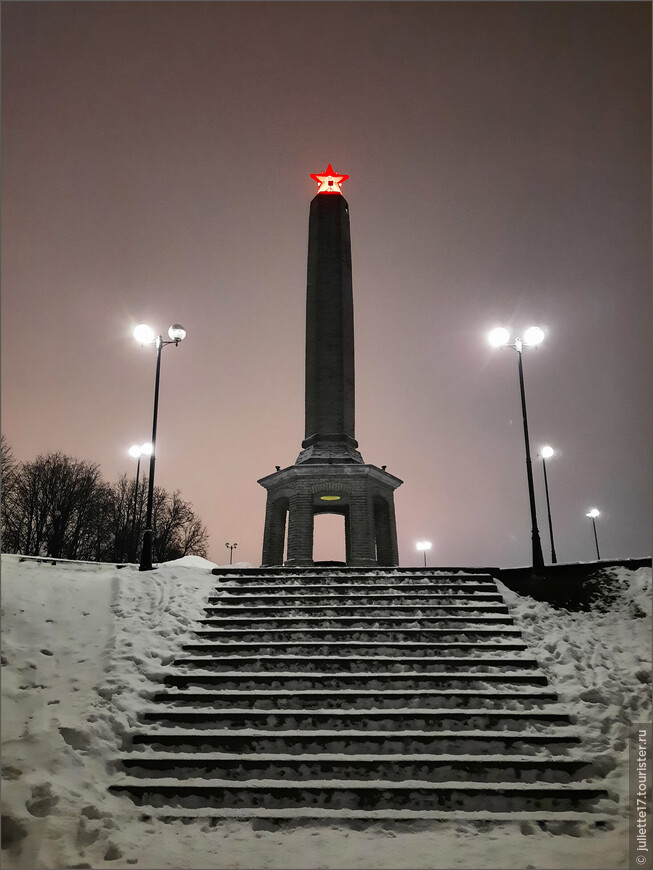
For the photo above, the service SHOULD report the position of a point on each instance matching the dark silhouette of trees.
(59, 506)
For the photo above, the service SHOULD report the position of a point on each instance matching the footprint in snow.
(13, 831)
(42, 800)
(75, 738)
(9, 772)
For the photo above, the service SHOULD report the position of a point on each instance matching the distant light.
(177, 332)
(329, 181)
(146, 449)
(423, 545)
(144, 334)
(533, 335)
(330, 497)
(547, 452)
(498, 337)
(594, 512)
(135, 451)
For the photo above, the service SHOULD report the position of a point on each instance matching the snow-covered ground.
(83, 642)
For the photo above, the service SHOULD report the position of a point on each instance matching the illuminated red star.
(329, 181)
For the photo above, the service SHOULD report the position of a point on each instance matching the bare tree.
(59, 506)
(177, 531)
(7, 492)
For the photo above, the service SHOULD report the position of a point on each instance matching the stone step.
(569, 822)
(431, 768)
(280, 699)
(345, 635)
(330, 598)
(374, 720)
(388, 680)
(362, 794)
(336, 621)
(337, 648)
(280, 571)
(352, 664)
(354, 741)
(442, 586)
(402, 610)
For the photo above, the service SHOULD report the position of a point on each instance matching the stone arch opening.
(329, 537)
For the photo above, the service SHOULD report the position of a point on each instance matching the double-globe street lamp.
(145, 335)
(546, 453)
(533, 336)
(593, 514)
(136, 451)
(231, 548)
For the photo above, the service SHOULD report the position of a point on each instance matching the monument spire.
(329, 383)
(329, 475)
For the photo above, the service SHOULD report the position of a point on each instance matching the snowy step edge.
(561, 733)
(307, 758)
(355, 693)
(255, 608)
(259, 619)
(475, 585)
(387, 659)
(395, 712)
(375, 675)
(504, 629)
(344, 815)
(359, 784)
(400, 644)
(483, 597)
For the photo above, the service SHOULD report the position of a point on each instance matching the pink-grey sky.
(156, 168)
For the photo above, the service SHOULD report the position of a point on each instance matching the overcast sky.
(156, 168)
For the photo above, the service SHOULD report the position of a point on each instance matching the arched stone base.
(363, 494)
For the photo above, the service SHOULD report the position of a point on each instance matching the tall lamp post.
(145, 335)
(425, 546)
(136, 451)
(231, 548)
(593, 514)
(533, 336)
(546, 453)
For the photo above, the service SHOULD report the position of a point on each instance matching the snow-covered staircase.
(333, 693)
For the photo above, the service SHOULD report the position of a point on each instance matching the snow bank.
(84, 645)
(599, 661)
(189, 562)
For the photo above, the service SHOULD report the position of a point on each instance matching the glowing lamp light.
(423, 545)
(138, 450)
(330, 498)
(498, 337)
(144, 334)
(177, 332)
(594, 512)
(533, 336)
(329, 181)
(547, 452)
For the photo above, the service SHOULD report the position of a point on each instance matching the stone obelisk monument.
(329, 475)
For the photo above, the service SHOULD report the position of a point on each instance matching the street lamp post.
(425, 546)
(593, 514)
(546, 453)
(136, 451)
(533, 336)
(144, 335)
(231, 548)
